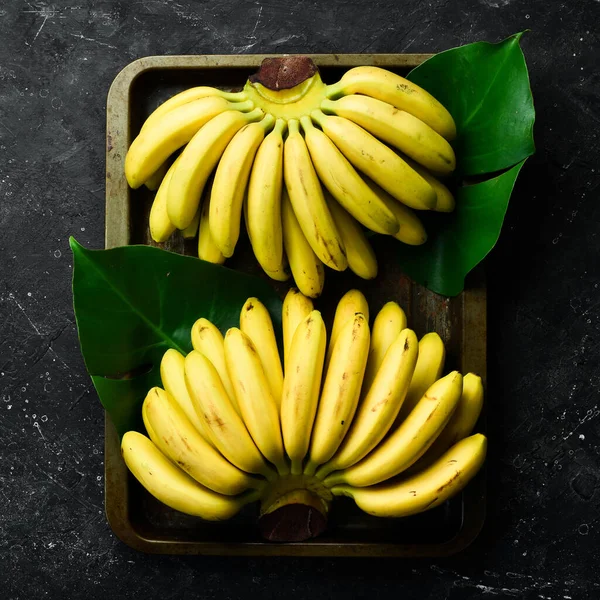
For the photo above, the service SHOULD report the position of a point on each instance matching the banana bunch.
(367, 414)
(309, 165)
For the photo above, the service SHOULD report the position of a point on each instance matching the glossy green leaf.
(133, 303)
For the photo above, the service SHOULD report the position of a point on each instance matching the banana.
(153, 183)
(376, 160)
(198, 160)
(179, 440)
(189, 233)
(426, 490)
(306, 196)
(153, 146)
(359, 252)
(388, 324)
(296, 307)
(301, 387)
(444, 199)
(341, 391)
(307, 269)
(161, 227)
(410, 441)
(430, 366)
(223, 424)
(461, 423)
(256, 323)
(171, 486)
(397, 128)
(231, 180)
(345, 184)
(399, 92)
(260, 411)
(207, 249)
(263, 218)
(379, 407)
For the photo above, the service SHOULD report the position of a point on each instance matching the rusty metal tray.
(146, 525)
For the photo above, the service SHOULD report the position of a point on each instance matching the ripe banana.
(341, 391)
(179, 440)
(207, 249)
(156, 178)
(223, 424)
(378, 409)
(172, 486)
(426, 490)
(198, 160)
(388, 324)
(296, 307)
(264, 200)
(397, 128)
(259, 409)
(410, 441)
(161, 227)
(345, 184)
(376, 160)
(399, 92)
(153, 146)
(301, 387)
(444, 199)
(229, 186)
(306, 196)
(256, 323)
(189, 233)
(307, 269)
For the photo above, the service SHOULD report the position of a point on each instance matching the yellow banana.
(171, 486)
(378, 409)
(256, 323)
(397, 128)
(377, 161)
(231, 180)
(426, 490)
(399, 92)
(359, 252)
(161, 227)
(296, 307)
(341, 391)
(207, 249)
(444, 199)
(345, 184)
(306, 196)
(301, 387)
(307, 269)
(264, 200)
(189, 233)
(179, 440)
(156, 178)
(388, 324)
(410, 441)
(259, 409)
(198, 160)
(153, 146)
(223, 424)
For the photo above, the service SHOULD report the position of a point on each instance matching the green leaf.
(135, 302)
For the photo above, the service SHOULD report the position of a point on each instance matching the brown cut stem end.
(283, 73)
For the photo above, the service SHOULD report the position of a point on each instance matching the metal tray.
(145, 524)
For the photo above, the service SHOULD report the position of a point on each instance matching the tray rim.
(117, 233)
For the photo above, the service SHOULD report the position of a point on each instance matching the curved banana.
(256, 323)
(444, 199)
(426, 490)
(161, 227)
(345, 184)
(198, 160)
(307, 269)
(263, 217)
(156, 178)
(189, 233)
(399, 92)
(296, 307)
(359, 252)
(388, 324)
(231, 180)
(301, 387)
(223, 424)
(171, 486)
(376, 160)
(410, 441)
(378, 409)
(153, 146)
(259, 409)
(179, 440)
(207, 249)
(306, 196)
(341, 392)
(397, 128)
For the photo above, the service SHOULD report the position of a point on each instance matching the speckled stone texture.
(542, 534)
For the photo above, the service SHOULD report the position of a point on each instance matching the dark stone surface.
(542, 535)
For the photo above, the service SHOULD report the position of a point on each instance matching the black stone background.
(57, 60)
